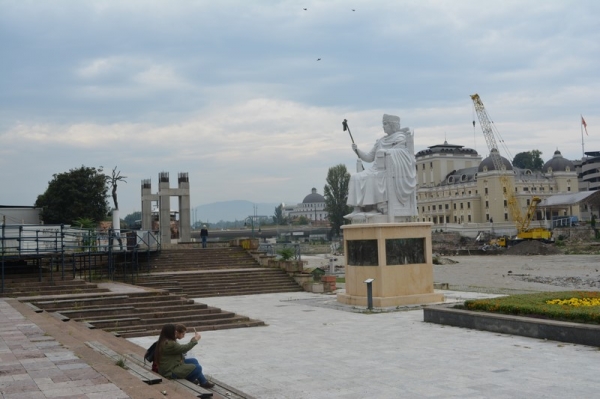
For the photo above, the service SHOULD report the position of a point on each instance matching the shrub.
(286, 253)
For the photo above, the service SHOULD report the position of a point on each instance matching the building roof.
(460, 176)
(558, 164)
(566, 199)
(313, 197)
(446, 149)
(488, 163)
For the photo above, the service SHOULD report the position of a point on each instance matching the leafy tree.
(302, 220)
(529, 160)
(131, 218)
(336, 196)
(278, 216)
(74, 195)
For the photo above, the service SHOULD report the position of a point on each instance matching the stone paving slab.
(33, 365)
(312, 348)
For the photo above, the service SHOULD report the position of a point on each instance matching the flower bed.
(573, 306)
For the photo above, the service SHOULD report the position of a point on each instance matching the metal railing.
(87, 251)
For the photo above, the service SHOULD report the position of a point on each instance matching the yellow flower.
(576, 302)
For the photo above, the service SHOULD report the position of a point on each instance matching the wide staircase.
(195, 259)
(31, 285)
(198, 273)
(137, 314)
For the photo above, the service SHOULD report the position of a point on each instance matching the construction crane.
(521, 222)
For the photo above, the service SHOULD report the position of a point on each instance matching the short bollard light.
(369, 282)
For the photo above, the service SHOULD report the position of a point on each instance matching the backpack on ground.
(149, 355)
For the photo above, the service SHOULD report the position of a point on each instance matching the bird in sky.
(318, 59)
(352, 9)
(305, 9)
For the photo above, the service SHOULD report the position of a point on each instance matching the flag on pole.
(584, 125)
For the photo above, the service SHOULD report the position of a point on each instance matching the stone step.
(133, 333)
(200, 310)
(59, 291)
(209, 325)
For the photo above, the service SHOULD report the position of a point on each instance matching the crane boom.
(488, 133)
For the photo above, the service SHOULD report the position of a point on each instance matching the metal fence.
(89, 253)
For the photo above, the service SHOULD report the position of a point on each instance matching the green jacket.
(171, 360)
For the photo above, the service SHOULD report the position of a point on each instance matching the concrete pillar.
(164, 207)
(147, 204)
(185, 233)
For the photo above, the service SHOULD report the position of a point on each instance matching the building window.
(468, 205)
(446, 206)
(461, 205)
(455, 206)
(528, 202)
(486, 191)
(454, 219)
(505, 203)
(505, 216)
(487, 217)
(568, 188)
(487, 204)
(469, 218)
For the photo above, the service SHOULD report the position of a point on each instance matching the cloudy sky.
(233, 92)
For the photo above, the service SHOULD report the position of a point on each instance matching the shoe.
(207, 385)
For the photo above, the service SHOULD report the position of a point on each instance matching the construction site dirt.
(515, 274)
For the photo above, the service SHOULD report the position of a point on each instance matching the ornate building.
(456, 186)
(312, 208)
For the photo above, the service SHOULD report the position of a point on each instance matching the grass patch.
(121, 363)
(536, 305)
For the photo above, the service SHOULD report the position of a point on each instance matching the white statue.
(389, 186)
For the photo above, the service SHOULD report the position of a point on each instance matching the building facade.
(457, 186)
(312, 208)
(588, 170)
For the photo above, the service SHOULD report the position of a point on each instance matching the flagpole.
(582, 145)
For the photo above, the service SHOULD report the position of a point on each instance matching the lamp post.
(251, 222)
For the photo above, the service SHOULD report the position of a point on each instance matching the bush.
(286, 253)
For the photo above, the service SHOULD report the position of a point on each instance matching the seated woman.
(170, 357)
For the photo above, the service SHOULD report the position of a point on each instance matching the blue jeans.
(197, 373)
(203, 242)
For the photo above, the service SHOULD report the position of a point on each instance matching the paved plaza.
(33, 365)
(314, 348)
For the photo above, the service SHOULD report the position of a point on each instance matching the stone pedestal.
(116, 226)
(397, 256)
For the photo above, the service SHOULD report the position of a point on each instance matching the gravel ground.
(506, 274)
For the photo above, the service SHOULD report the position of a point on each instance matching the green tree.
(336, 196)
(278, 216)
(529, 160)
(74, 195)
(131, 218)
(302, 221)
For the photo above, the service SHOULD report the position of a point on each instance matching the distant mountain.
(230, 211)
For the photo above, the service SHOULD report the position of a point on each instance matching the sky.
(248, 97)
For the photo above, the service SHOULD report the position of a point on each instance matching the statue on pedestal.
(389, 186)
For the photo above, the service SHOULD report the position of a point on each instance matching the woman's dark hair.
(167, 333)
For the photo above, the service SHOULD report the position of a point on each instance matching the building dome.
(488, 163)
(558, 164)
(313, 197)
